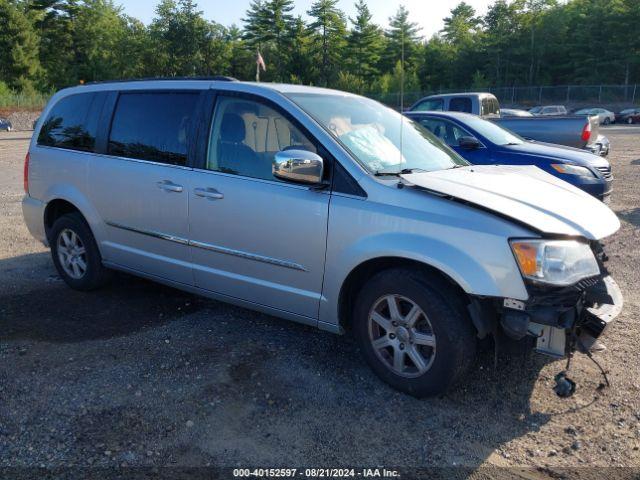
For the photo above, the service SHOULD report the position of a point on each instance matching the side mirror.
(298, 166)
(468, 143)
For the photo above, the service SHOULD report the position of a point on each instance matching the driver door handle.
(209, 193)
(169, 186)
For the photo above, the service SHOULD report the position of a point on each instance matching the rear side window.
(70, 124)
(153, 126)
(433, 104)
(460, 104)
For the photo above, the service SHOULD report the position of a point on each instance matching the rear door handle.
(209, 193)
(169, 186)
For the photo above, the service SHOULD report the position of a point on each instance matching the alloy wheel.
(402, 336)
(72, 254)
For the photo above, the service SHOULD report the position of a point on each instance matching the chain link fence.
(572, 96)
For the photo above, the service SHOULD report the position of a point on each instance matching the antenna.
(401, 94)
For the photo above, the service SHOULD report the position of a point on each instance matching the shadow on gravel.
(635, 162)
(232, 387)
(51, 311)
(631, 216)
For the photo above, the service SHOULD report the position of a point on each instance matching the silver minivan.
(321, 207)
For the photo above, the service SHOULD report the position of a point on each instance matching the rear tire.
(607, 121)
(426, 358)
(629, 121)
(75, 253)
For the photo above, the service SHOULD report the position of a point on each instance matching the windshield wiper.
(396, 173)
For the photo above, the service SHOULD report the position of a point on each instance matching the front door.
(254, 237)
(140, 188)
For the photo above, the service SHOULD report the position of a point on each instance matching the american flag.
(260, 62)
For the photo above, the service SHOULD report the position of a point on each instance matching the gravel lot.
(140, 374)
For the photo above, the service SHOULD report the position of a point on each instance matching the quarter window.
(153, 126)
(246, 135)
(69, 124)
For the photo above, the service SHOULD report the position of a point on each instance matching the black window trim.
(109, 111)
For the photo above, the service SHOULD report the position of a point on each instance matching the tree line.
(49, 44)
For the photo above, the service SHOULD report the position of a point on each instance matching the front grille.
(606, 172)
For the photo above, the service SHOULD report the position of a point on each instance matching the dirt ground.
(140, 374)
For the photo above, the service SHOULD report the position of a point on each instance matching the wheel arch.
(54, 210)
(59, 203)
(358, 276)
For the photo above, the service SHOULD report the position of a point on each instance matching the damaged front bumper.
(563, 319)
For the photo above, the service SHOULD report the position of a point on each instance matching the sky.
(428, 14)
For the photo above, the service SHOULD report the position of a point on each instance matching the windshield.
(492, 132)
(371, 132)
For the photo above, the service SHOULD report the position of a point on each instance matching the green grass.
(30, 101)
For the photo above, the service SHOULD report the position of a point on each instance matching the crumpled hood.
(525, 194)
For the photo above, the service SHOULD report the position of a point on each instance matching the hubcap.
(72, 254)
(402, 336)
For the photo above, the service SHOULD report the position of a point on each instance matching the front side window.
(460, 104)
(153, 126)
(70, 125)
(245, 136)
(445, 130)
(430, 104)
(378, 138)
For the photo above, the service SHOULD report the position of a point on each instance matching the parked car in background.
(321, 207)
(548, 110)
(572, 131)
(514, 112)
(5, 125)
(604, 116)
(629, 116)
(482, 142)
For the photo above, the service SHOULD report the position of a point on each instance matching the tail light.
(586, 132)
(26, 173)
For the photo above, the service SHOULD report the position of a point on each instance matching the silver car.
(321, 207)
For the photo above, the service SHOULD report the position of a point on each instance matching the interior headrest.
(233, 128)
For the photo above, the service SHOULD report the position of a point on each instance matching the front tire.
(629, 121)
(75, 253)
(607, 121)
(414, 331)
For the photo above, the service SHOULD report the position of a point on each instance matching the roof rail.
(214, 78)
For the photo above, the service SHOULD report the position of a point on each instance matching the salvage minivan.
(321, 207)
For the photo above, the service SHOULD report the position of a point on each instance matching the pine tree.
(329, 29)
(281, 24)
(365, 43)
(256, 23)
(402, 35)
(461, 25)
(299, 60)
(19, 63)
